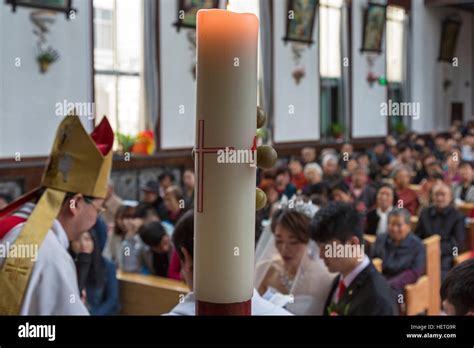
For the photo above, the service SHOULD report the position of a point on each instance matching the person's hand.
(84, 296)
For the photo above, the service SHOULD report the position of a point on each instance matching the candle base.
(238, 308)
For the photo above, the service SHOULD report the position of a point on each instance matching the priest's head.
(457, 290)
(337, 228)
(79, 213)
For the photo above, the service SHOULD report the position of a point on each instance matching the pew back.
(148, 295)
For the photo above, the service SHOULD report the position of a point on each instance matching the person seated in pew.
(331, 170)
(464, 191)
(364, 194)
(444, 219)
(358, 289)
(451, 173)
(435, 176)
(283, 183)
(298, 178)
(341, 192)
(402, 252)
(401, 179)
(174, 204)
(123, 226)
(97, 278)
(147, 251)
(183, 240)
(376, 220)
(457, 290)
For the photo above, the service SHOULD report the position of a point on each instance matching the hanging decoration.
(299, 72)
(191, 36)
(46, 55)
(187, 10)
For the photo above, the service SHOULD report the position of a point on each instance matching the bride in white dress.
(288, 267)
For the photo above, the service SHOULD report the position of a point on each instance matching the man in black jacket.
(445, 220)
(359, 289)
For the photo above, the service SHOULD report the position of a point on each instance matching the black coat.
(368, 294)
(449, 225)
(371, 222)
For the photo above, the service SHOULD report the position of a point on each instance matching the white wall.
(428, 74)
(27, 98)
(367, 120)
(304, 97)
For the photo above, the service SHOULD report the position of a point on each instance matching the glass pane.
(103, 34)
(395, 38)
(105, 98)
(129, 29)
(330, 40)
(128, 104)
(325, 111)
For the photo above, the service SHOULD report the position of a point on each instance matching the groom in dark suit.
(359, 289)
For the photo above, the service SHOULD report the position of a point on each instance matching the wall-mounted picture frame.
(300, 19)
(449, 38)
(375, 17)
(187, 10)
(64, 6)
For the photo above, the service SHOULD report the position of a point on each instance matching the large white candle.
(225, 192)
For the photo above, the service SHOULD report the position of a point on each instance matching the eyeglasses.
(99, 209)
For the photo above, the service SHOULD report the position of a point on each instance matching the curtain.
(266, 52)
(149, 96)
(345, 70)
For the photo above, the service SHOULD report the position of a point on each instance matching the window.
(395, 61)
(117, 62)
(332, 115)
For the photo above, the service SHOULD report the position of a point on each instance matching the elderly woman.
(377, 218)
(402, 252)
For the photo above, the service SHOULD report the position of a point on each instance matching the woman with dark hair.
(123, 225)
(174, 203)
(288, 263)
(97, 277)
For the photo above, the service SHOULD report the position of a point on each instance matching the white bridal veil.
(308, 291)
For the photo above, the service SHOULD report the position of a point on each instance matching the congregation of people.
(322, 199)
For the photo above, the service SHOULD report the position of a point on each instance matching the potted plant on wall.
(337, 130)
(46, 57)
(400, 127)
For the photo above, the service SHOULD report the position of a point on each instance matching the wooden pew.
(466, 208)
(424, 294)
(148, 295)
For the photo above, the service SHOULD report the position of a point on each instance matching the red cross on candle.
(200, 151)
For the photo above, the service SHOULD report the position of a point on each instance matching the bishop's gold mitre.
(79, 162)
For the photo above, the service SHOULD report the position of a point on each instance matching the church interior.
(359, 115)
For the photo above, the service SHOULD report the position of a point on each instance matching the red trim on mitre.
(103, 136)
